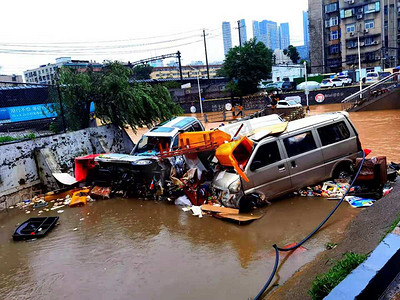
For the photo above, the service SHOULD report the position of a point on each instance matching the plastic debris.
(196, 210)
(75, 229)
(60, 211)
(183, 201)
(358, 202)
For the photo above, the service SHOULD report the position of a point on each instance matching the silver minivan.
(311, 150)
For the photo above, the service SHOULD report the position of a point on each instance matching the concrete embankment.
(28, 164)
(363, 235)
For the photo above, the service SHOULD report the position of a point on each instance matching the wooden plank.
(240, 217)
(219, 209)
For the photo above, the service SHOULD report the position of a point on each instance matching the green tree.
(245, 66)
(141, 72)
(116, 99)
(292, 52)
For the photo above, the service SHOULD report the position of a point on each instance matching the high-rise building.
(256, 31)
(266, 32)
(284, 36)
(337, 29)
(227, 36)
(243, 34)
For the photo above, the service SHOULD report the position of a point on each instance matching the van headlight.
(234, 187)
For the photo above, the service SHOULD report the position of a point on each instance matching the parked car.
(371, 77)
(287, 86)
(309, 151)
(334, 82)
(287, 104)
(311, 85)
(346, 80)
(274, 86)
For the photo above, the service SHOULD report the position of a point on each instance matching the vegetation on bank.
(392, 227)
(116, 98)
(7, 138)
(324, 284)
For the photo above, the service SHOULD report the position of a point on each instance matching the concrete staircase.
(385, 94)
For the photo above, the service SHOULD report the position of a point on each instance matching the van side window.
(333, 133)
(197, 127)
(300, 143)
(266, 154)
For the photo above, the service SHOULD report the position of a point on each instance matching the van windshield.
(150, 145)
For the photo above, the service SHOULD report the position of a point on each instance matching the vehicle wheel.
(342, 171)
(144, 164)
(333, 85)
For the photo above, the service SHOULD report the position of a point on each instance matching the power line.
(104, 41)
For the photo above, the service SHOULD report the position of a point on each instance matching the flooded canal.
(135, 249)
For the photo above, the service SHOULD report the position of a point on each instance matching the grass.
(392, 227)
(324, 284)
(7, 138)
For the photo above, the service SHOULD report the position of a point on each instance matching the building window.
(352, 44)
(334, 35)
(334, 49)
(351, 27)
(369, 41)
(369, 24)
(347, 13)
(332, 22)
(331, 7)
(372, 7)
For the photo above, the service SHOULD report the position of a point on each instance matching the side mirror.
(255, 165)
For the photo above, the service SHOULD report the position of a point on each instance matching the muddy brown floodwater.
(135, 249)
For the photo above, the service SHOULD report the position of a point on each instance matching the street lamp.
(306, 90)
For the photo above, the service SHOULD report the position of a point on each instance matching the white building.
(279, 72)
(281, 58)
(46, 74)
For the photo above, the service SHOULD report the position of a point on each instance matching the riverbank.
(362, 235)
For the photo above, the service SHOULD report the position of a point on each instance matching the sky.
(34, 33)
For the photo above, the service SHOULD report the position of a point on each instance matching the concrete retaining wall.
(20, 170)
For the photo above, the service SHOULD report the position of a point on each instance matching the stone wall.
(20, 169)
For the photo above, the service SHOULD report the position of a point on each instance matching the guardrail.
(355, 99)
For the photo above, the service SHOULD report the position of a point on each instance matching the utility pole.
(178, 54)
(205, 49)
(240, 38)
(359, 62)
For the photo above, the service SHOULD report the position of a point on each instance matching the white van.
(311, 150)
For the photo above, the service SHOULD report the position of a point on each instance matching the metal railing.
(366, 93)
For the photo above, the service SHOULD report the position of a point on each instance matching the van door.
(306, 163)
(338, 141)
(268, 170)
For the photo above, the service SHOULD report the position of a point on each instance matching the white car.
(371, 77)
(287, 104)
(333, 82)
(346, 80)
(311, 85)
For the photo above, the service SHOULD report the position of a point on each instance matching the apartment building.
(10, 78)
(338, 28)
(187, 72)
(46, 74)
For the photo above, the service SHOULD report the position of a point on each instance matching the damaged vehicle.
(140, 173)
(308, 151)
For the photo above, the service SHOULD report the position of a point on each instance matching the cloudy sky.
(33, 33)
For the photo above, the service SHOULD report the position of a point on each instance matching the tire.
(333, 85)
(144, 164)
(343, 170)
